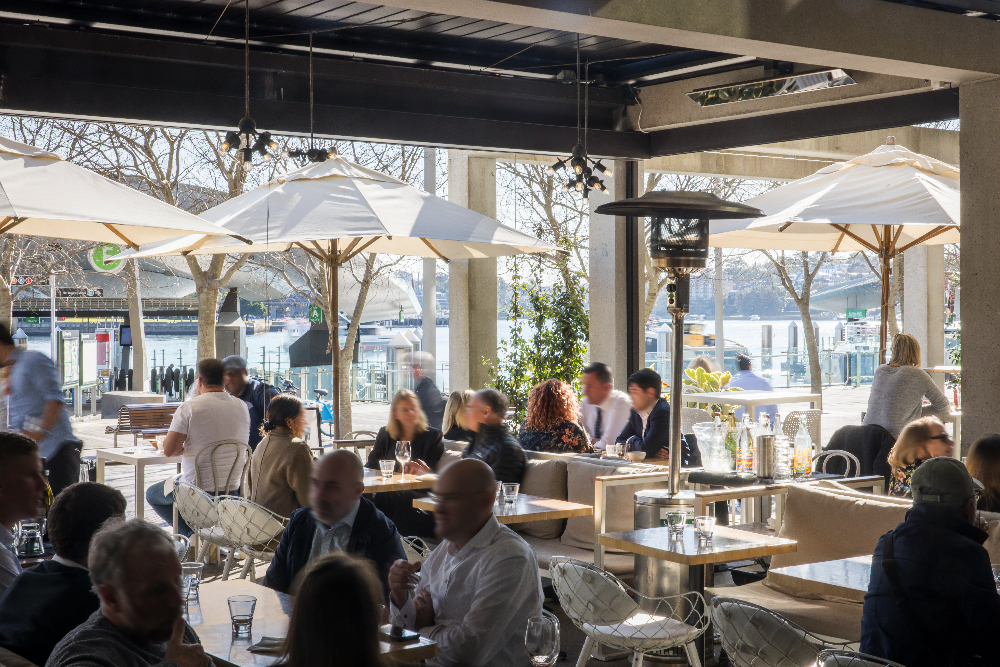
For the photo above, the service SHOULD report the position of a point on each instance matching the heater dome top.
(674, 204)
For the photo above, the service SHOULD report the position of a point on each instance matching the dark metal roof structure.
(381, 73)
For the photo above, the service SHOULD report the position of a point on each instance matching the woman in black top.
(454, 424)
(407, 422)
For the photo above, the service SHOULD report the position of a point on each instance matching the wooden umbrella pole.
(884, 257)
(334, 267)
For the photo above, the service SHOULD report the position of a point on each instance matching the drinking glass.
(31, 539)
(195, 571)
(704, 527)
(541, 639)
(387, 468)
(510, 493)
(676, 521)
(403, 455)
(185, 588)
(996, 575)
(241, 613)
(499, 492)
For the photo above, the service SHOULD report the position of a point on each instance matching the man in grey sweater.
(136, 574)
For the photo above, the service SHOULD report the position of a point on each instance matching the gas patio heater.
(678, 242)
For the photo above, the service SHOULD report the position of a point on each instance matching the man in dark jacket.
(47, 601)
(256, 394)
(339, 519)
(648, 427)
(431, 401)
(494, 444)
(931, 597)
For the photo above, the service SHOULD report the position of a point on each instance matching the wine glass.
(403, 456)
(541, 639)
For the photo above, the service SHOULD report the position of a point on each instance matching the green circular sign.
(101, 258)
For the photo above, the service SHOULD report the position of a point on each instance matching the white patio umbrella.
(334, 210)
(41, 194)
(887, 201)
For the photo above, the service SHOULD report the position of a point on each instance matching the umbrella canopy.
(338, 199)
(42, 194)
(887, 201)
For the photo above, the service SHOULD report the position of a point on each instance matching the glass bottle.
(802, 458)
(731, 444)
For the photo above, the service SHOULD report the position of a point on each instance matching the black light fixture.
(312, 154)
(245, 139)
(582, 177)
(679, 244)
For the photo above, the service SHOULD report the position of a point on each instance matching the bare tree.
(895, 291)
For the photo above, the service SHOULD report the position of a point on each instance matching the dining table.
(375, 482)
(526, 509)
(209, 617)
(845, 578)
(139, 458)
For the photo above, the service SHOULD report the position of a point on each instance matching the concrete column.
(472, 283)
(429, 342)
(608, 284)
(979, 108)
(923, 307)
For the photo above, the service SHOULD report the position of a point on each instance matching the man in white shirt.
(210, 417)
(478, 588)
(605, 409)
(22, 489)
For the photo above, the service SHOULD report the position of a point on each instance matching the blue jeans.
(163, 505)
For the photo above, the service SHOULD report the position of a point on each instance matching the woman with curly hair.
(551, 424)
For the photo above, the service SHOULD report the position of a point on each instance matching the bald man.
(478, 588)
(339, 518)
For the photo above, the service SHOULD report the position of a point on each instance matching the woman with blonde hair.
(454, 425)
(899, 389)
(552, 422)
(920, 440)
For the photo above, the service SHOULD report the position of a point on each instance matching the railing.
(369, 382)
(791, 369)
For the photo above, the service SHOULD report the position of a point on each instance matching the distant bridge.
(101, 307)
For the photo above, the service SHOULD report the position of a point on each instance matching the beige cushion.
(449, 456)
(835, 620)
(618, 564)
(830, 525)
(10, 659)
(547, 479)
(835, 487)
(620, 513)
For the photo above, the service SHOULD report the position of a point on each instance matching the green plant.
(555, 346)
(700, 382)
(955, 357)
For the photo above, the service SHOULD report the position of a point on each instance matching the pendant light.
(313, 154)
(245, 139)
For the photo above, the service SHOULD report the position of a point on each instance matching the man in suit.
(648, 427)
(47, 601)
(339, 519)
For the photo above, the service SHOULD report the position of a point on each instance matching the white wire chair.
(839, 454)
(692, 416)
(233, 472)
(812, 420)
(613, 614)
(415, 548)
(839, 658)
(199, 510)
(254, 529)
(183, 546)
(753, 636)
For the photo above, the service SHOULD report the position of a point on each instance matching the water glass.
(403, 456)
(996, 575)
(499, 492)
(387, 468)
(185, 587)
(704, 527)
(241, 612)
(676, 521)
(510, 493)
(541, 639)
(195, 571)
(31, 539)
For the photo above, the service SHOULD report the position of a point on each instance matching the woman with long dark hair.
(282, 463)
(552, 423)
(336, 618)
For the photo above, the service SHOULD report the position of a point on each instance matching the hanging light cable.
(245, 139)
(313, 154)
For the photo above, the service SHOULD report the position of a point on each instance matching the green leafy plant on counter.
(700, 382)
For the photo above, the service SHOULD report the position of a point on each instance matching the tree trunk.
(133, 290)
(812, 347)
(896, 290)
(7, 306)
(208, 303)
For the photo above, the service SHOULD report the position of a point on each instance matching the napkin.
(268, 646)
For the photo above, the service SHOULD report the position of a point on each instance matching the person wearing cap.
(256, 394)
(932, 599)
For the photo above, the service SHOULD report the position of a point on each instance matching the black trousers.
(410, 521)
(64, 466)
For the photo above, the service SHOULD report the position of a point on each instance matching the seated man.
(339, 519)
(478, 588)
(256, 394)
(931, 597)
(747, 380)
(55, 596)
(648, 427)
(494, 444)
(22, 490)
(605, 410)
(137, 576)
(210, 417)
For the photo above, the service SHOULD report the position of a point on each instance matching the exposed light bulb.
(579, 186)
(267, 157)
(224, 148)
(578, 169)
(247, 166)
(284, 153)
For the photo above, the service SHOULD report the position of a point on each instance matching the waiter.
(256, 394)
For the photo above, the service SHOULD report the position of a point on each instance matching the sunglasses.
(944, 437)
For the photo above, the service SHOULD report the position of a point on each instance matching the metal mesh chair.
(838, 658)
(692, 416)
(611, 613)
(839, 454)
(811, 418)
(252, 528)
(753, 636)
(416, 549)
(183, 546)
(199, 510)
(233, 472)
